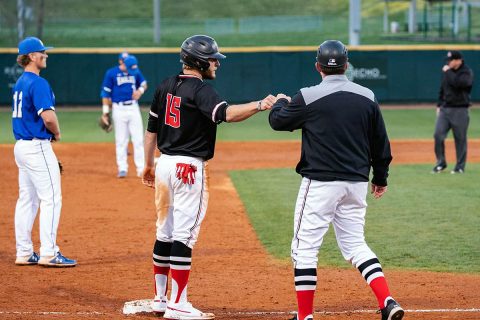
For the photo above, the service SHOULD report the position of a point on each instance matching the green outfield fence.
(405, 74)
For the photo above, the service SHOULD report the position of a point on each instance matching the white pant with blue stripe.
(39, 186)
(127, 122)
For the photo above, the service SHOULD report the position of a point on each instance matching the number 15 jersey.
(185, 112)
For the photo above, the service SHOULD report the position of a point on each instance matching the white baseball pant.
(127, 122)
(39, 185)
(319, 203)
(180, 207)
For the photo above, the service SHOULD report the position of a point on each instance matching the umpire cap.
(453, 55)
(332, 54)
(196, 50)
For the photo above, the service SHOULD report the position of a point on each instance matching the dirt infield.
(109, 226)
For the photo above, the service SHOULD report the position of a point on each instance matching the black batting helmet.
(196, 50)
(332, 54)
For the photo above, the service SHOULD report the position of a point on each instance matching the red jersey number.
(172, 114)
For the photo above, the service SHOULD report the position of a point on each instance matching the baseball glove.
(60, 166)
(105, 122)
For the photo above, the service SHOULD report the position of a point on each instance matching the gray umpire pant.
(456, 119)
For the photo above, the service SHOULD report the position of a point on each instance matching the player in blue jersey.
(35, 125)
(122, 86)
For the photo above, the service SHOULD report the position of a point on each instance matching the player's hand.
(137, 94)
(268, 102)
(106, 118)
(283, 96)
(378, 191)
(446, 68)
(148, 177)
(57, 137)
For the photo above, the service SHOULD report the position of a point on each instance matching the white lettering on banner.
(13, 73)
(354, 73)
(125, 79)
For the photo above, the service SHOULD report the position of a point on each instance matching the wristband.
(141, 89)
(106, 108)
(259, 105)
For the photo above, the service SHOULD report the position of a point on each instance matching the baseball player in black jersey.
(183, 123)
(343, 136)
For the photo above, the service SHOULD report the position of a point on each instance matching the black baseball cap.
(453, 55)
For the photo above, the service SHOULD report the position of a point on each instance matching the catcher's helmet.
(196, 51)
(332, 54)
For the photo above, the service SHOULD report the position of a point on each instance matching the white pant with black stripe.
(39, 186)
(319, 203)
(180, 207)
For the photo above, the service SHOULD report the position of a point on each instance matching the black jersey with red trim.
(185, 112)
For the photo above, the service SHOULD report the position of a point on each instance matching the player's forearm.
(106, 104)
(240, 112)
(51, 122)
(149, 148)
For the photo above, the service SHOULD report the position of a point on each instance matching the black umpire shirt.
(184, 114)
(456, 87)
(343, 132)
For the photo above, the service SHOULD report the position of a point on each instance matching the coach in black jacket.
(452, 111)
(343, 138)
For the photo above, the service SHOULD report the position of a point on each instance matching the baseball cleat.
(185, 311)
(27, 260)
(457, 171)
(438, 168)
(159, 304)
(57, 261)
(122, 174)
(392, 311)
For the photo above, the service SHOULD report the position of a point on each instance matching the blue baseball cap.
(131, 64)
(123, 55)
(31, 44)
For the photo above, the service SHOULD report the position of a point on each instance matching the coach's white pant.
(39, 185)
(319, 203)
(127, 121)
(180, 207)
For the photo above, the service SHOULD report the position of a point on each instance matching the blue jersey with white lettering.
(119, 85)
(31, 96)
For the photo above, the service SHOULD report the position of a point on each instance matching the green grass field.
(424, 221)
(81, 126)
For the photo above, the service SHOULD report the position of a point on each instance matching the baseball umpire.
(343, 136)
(183, 123)
(35, 125)
(452, 111)
(122, 86)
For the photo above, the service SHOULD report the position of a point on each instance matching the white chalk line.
(253, 313)
(246, 313)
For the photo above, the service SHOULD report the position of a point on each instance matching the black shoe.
(457, 171)
(392, 311)
(439, 168)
